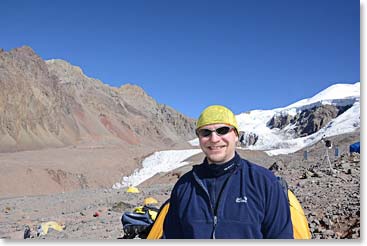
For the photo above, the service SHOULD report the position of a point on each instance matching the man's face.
(218, 148)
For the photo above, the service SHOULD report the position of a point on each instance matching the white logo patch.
(241, 199)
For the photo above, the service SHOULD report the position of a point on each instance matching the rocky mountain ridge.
(53, 104)
(333, 111)
(308, 121)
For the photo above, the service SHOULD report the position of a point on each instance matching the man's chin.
(215, 159)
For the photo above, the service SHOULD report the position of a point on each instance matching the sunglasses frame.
(215, 130)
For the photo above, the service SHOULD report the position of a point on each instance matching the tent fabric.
(44, 227)
(157, 229)
(150, 200)
(355, 147)
(132, 189)
(299, 221)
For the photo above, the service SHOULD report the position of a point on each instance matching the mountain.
(333, 111)
(54, 104)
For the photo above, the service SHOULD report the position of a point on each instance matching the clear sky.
(188, 54)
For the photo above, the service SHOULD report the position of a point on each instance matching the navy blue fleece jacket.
(238, 199)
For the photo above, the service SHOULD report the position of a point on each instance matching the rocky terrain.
(330, 197)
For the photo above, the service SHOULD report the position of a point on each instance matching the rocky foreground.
(329, 194)
(331, 200)
(85, 214)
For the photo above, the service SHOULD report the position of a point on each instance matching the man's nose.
(214, 137)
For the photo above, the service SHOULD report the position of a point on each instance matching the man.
(226, 196)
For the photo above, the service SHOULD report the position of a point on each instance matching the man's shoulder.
(188, 177)
(257, 170)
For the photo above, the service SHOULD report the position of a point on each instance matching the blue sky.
(244, 54)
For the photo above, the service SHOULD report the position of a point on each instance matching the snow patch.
(162, 161)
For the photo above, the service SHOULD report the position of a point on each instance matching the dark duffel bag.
(136, 225)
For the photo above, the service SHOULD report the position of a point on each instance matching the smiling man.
(226, 196)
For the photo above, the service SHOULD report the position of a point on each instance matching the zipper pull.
(215, 219)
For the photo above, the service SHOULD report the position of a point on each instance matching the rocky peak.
(24, 56)
(64, 68)
(133, 89)
(24, 50)
(70, 74)
(23, 60)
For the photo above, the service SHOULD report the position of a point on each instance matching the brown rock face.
(53, 104)
(34, 110)
(308, 121)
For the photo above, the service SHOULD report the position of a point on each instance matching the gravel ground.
(86, 214)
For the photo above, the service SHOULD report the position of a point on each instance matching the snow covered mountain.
(333, 111)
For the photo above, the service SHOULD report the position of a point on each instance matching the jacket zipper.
(214, 211)
(215, 218)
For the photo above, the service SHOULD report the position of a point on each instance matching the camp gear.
(135, 224)
(138, 223)
(217, 114)
(328, 144)
(150, 200)
(132, 189)
(152, 211)
(204, 132)
(336, 152)
(43, 228)
(299, 220)
(156, 231)
(27, 232)
(355, 147)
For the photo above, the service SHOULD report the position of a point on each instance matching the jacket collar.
(206, 170)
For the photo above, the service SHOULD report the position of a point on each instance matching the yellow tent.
(132, 189)
(299, 220)
(150, 200)
(157, 230)
(44, 227)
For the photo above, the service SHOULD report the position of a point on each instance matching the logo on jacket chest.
(241, 199)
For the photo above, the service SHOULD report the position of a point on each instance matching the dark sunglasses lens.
(204, 132)
(223, 130)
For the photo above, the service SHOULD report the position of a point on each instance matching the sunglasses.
(204, 132)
